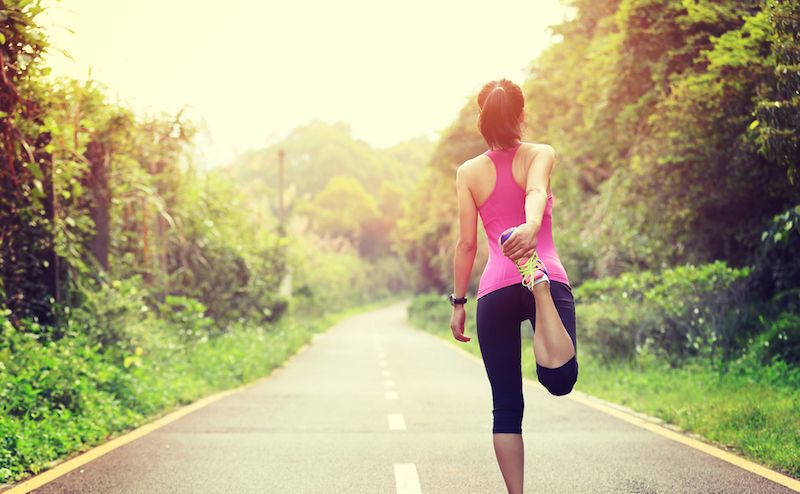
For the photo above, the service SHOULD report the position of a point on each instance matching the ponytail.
(501, 103)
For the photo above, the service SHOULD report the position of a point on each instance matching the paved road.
(340, 419)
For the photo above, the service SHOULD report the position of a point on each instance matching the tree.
(342, 208)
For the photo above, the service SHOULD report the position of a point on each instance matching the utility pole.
(286, 283)
(281, 158)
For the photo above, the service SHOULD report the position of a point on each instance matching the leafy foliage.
(675, 314)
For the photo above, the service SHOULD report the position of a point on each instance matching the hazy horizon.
(253, 71)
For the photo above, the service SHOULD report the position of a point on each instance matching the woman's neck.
(514, 145)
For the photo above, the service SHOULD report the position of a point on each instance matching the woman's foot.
(531, 268)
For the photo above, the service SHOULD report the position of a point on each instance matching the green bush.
(613, 331)
(115, 315)
(777, 274)
(188, 316)
(780, 340)
(430, 310)
(698, 310)
(678, 313)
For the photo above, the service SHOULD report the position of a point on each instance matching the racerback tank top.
(505, 208)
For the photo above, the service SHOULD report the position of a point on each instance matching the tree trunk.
(52, 272)
(100, 203)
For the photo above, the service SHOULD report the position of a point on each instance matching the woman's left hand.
(522, 242)
(457, 323)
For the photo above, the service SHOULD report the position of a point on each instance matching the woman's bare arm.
(464, 257)
(523, 241)
(537, 183)
(467, 244)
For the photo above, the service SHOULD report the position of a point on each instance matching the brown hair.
(501, 103)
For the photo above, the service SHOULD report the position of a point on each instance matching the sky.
(251, 71)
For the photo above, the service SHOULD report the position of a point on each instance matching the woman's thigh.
(565, 306)
(498, 327)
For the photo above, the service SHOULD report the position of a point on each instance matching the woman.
(509, 186)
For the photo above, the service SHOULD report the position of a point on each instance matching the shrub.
(777, 276)
(698, 310)
(116, 314)
(780, 340)
(680, 312)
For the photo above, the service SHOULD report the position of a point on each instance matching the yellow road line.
(80, 460)
(595, 403)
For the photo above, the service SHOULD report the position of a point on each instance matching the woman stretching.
(509, 187)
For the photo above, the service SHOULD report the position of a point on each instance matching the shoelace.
(527, 267)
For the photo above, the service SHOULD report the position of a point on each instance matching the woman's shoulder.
(475, 160)
(538, 147)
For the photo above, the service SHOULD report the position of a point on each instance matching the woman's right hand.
(457, 323)
(522, 242)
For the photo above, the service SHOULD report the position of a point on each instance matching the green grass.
(744, 410)
(62, 398)
(759, 420)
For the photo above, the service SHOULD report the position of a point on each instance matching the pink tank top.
(505, 208)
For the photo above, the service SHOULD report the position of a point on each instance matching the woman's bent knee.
(559, 381)
(561, 390)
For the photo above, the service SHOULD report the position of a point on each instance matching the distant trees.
(343, 191)
(318, 151)
(342, 208)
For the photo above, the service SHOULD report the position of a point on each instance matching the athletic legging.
(499, 315)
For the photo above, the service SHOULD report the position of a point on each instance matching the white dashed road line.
(406, 478)
(396, 422)
(405, 474)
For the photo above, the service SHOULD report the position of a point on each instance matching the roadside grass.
(63, 398)
(742, 411)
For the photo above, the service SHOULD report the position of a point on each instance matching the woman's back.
(503, 209)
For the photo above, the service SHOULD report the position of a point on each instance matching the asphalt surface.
(322, 424)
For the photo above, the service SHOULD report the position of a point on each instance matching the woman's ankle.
(541, 289)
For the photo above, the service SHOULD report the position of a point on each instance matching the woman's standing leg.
(498, 321)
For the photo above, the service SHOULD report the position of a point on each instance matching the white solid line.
(406, 478)
(388, 383)
(396, 422)
(390, 395)
(387, 373)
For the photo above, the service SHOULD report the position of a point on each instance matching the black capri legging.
(498, 319)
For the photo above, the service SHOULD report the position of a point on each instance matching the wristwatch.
(454, 300)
